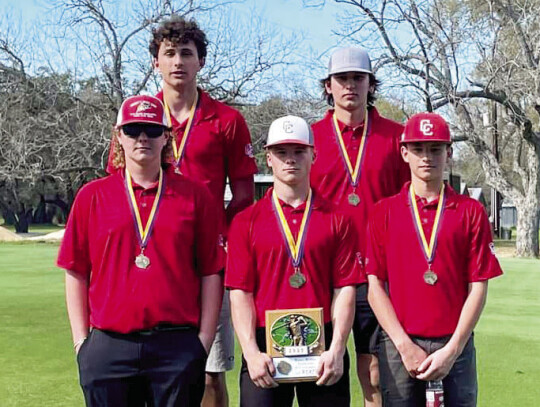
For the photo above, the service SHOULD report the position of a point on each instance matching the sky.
(316, 23)
(291, 16)
(312, 25)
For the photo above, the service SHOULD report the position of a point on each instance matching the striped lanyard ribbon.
(354, 173)
(179, 151)
(427, 248)
(295, 248)
(143, 232)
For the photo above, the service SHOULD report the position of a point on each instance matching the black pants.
(157, 369)
(307, 393)
(365, 326)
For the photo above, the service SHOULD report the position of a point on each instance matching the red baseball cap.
(426, 127)
(142, 109)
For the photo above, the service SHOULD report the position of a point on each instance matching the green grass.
(39, 368)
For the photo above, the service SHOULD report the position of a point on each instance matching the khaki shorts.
(221, 356)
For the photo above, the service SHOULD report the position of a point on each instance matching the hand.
(412, 356)
(437, 365)
(78, 344)
(78, 347)
(330, 368)
(261, 370)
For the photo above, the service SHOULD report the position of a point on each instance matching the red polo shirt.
(464, 254)
(100, 242)
(219, 146)
(258, 260)
(382, 170)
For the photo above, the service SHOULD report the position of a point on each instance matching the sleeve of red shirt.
(347, 267)
(376, 247)
(74, 253)
(240, 270)
(483, 263)
(238, 148)
(209, 252)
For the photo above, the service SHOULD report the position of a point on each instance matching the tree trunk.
(528, 217)
(21, 222)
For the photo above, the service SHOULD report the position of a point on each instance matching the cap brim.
(142, 122)
(349, 69)
(288, 141)
(434, 140)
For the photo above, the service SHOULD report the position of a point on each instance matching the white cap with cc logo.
(289, 130)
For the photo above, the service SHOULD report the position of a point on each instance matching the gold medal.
(177, 171)
(354, 199)
(428, 248)
(297, 280)
(430, 277)
(141, 261)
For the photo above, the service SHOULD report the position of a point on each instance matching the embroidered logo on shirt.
(492, 248)
(249, 150)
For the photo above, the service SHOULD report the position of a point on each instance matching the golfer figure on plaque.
(297, 326)
(292, 273)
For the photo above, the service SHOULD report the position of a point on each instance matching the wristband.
(79, 342)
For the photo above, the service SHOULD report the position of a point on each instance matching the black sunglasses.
(133, 130)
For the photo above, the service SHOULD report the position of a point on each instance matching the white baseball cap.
(289, 130)
(350, 59)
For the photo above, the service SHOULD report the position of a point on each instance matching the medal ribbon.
(295, 248)
(354, 173)
(143, 233)
(427, 248)
(179, 151)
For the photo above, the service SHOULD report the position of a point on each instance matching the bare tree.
(58, 97)
(461, 56)
(112, 38)
(48, 136)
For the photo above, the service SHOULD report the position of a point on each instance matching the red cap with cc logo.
(426, 127)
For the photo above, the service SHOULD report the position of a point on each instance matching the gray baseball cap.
(350, 59)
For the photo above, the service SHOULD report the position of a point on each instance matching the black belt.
(156, 329)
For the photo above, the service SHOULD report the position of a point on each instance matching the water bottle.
(434, 393)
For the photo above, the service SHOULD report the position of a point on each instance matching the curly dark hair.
(374, 82)
(178, 31)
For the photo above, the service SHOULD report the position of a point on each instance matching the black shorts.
(365, 327)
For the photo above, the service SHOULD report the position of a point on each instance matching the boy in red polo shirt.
(211, 142)
(358, 163)
(142, 264)
(292, 249)
(430, 255)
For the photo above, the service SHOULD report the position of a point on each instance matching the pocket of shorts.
(84, 346)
